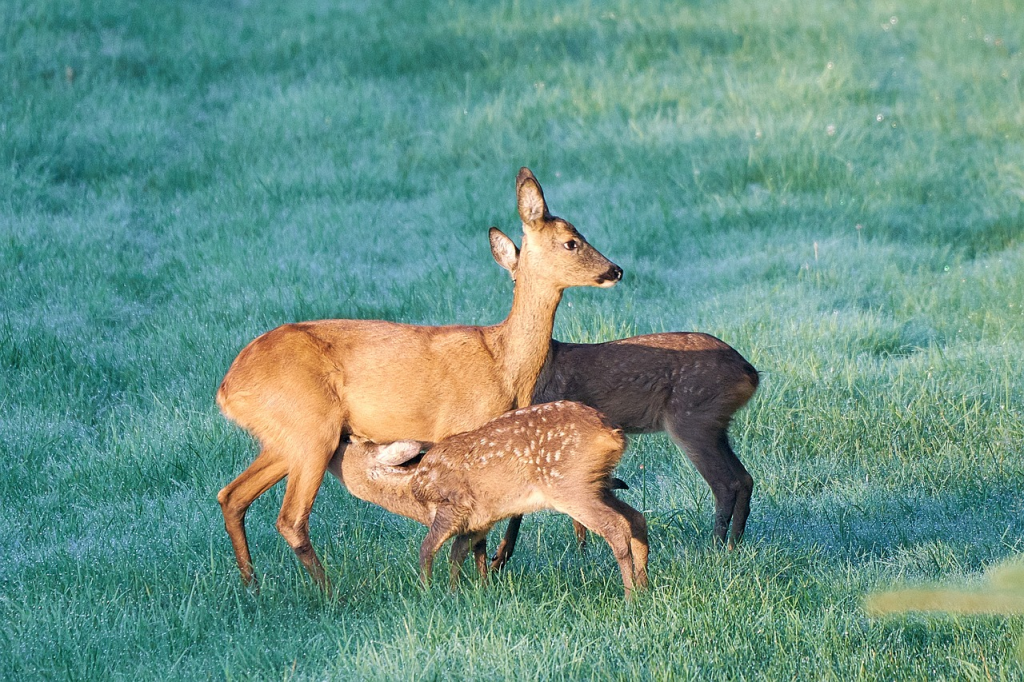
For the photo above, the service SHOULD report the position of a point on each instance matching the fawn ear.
(398, 453)
(530, 196)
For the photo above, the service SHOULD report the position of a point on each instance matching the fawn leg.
(581, 534)
(460, 548)
(480, 556)
(638, 545)
(446, 523)
(599, 516)
(457, 555)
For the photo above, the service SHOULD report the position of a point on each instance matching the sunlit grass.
(1001, 594)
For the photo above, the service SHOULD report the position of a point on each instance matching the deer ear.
(530, 197)
(398, 453)
(504, 251)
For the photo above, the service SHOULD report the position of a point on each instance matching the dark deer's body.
(685, 383)
(557, 456)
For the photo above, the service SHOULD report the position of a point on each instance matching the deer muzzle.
(610, 277)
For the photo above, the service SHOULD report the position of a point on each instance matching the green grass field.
(834, 188)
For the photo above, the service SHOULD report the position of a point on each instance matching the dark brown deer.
(559, 456)
(301, 388)
(685, 383)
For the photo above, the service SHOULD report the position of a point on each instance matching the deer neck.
(524, 338)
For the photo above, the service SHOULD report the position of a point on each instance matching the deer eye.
(571, 245)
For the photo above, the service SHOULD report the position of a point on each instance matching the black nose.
(614, 274)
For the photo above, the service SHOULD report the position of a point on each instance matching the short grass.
(835, 188)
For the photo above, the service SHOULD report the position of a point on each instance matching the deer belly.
(534, 500)
(400, 402)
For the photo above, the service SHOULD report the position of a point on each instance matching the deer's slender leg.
(460, 548)
(580, 531)
(707, 446)
(744, 484)
(293, 521)
(236, 497)
(480, 556)
(605, 519)
(638, 543)
(507, 545)
(446, 523)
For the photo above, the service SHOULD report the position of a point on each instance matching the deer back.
(635, 381)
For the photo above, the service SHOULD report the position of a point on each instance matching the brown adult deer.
(686, 383)
(559, 456)
(300, 388)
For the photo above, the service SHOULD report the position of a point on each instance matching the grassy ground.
(835, 188)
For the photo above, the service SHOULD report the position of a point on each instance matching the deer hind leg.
(308, 457)
(746, 489)
(293, 522)
(707, 446)
(604, 517)
(638, 544)
(236, 497)
(447, 522)
(580, 530)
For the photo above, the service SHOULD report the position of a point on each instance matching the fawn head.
(388, 454)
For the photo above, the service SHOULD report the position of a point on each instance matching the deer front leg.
(460, 548)
(480, 555)
(446, 523)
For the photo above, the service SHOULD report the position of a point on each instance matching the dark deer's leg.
(508, 544)
(702, 444)
(746, 488)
